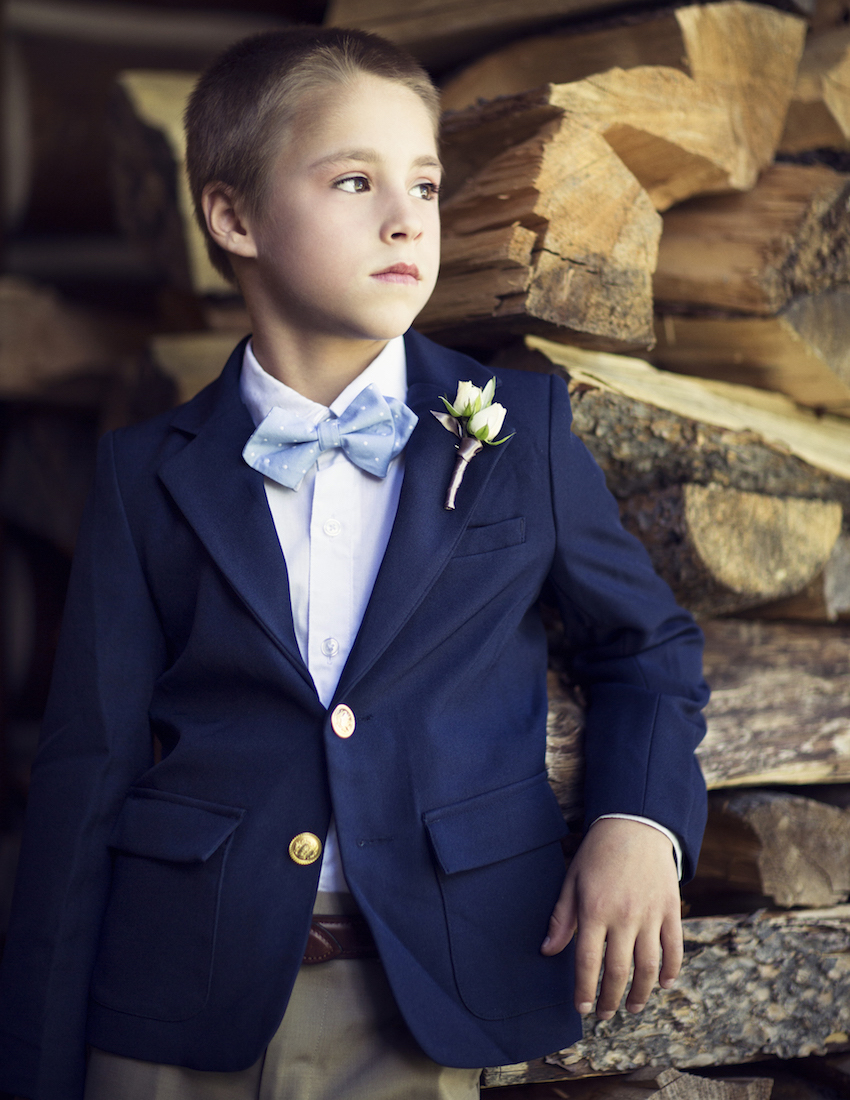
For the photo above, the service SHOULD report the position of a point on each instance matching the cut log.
(649, 429)
(722, 550)
(550, 232)
(779, 711)
(754, 986)
(794, 851)
(739, 59)
(645, 1084)
(819, 112)
(194, 359)
(62, 62)
(826, 599)
(753, 253)
(445, 32)
(44, 339)
(151, 189)
(803, 352)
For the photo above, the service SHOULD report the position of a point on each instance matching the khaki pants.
(342, 1038)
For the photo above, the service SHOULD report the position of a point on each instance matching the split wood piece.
(701, 107)
(551, 232)
(722, 550)
(649, 429)
(754, 986)
(151, 189)
(446, 32)
(779, 711)
(45, 339)
(826, 599)
(753, 253)
(194, 359)
(60, 66)
(803, 352)
(819, 112)
(794, 851)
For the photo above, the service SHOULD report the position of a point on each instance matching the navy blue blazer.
(158, 913)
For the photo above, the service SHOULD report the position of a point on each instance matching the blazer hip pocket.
(158, 936)
(500, 869)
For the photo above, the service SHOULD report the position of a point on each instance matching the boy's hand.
(621, 898)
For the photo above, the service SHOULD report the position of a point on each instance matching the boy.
(346, 678)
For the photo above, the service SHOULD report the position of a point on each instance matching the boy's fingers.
(590, 948)
(647, 962)
(618, 965)
(673, 950)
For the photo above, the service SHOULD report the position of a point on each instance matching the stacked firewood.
(657, 206)
(670, 187)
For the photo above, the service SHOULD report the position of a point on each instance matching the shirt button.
(305, 849)
(342, 721)
(330, 647)
(332, 528)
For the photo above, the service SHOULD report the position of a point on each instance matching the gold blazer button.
(342, 721)
(305, 848)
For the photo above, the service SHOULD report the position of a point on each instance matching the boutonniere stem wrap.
(475, 420)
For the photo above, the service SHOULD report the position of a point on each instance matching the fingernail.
(668, 983)
(547, 941)
(585, 1007)
(636, 1007)
(605, 1015)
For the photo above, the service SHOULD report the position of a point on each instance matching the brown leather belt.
(339, 937)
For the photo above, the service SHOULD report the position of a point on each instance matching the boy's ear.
(226, 225)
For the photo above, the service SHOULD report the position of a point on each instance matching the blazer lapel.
(424, 534)
(225, 502)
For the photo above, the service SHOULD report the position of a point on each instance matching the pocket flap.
(162, 825)
(496, 825)
(492, 536)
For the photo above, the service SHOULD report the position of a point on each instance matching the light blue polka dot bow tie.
(370, 432)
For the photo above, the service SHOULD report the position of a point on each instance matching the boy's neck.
(318, 368)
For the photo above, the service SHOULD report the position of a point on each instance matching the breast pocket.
(156, 947)
(492, 536)
(501, 868)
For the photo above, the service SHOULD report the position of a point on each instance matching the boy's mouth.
(404, 274)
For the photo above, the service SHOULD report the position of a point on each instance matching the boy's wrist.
(674, 840)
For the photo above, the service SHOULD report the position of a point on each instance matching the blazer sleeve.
(95, 743)
(636, 653)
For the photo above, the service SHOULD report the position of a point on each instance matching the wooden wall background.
(652, 200)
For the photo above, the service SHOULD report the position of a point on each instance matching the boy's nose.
(402, 220)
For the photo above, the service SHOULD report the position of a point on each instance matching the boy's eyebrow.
(371, 156)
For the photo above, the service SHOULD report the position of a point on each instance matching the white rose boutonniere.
(476, 420)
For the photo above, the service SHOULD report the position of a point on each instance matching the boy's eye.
(425, 190)
(353, 184)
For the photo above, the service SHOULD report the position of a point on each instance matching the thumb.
(564, 919)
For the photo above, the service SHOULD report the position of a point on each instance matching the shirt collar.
(260, 392)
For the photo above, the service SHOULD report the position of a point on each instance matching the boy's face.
(348, 242)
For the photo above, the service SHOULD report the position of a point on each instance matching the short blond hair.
(243, 103)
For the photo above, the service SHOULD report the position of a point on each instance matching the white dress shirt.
(333, 531)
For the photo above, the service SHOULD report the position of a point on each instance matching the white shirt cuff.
(674, 840)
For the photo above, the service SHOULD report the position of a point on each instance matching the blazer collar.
(225, 502)
(424, 534)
